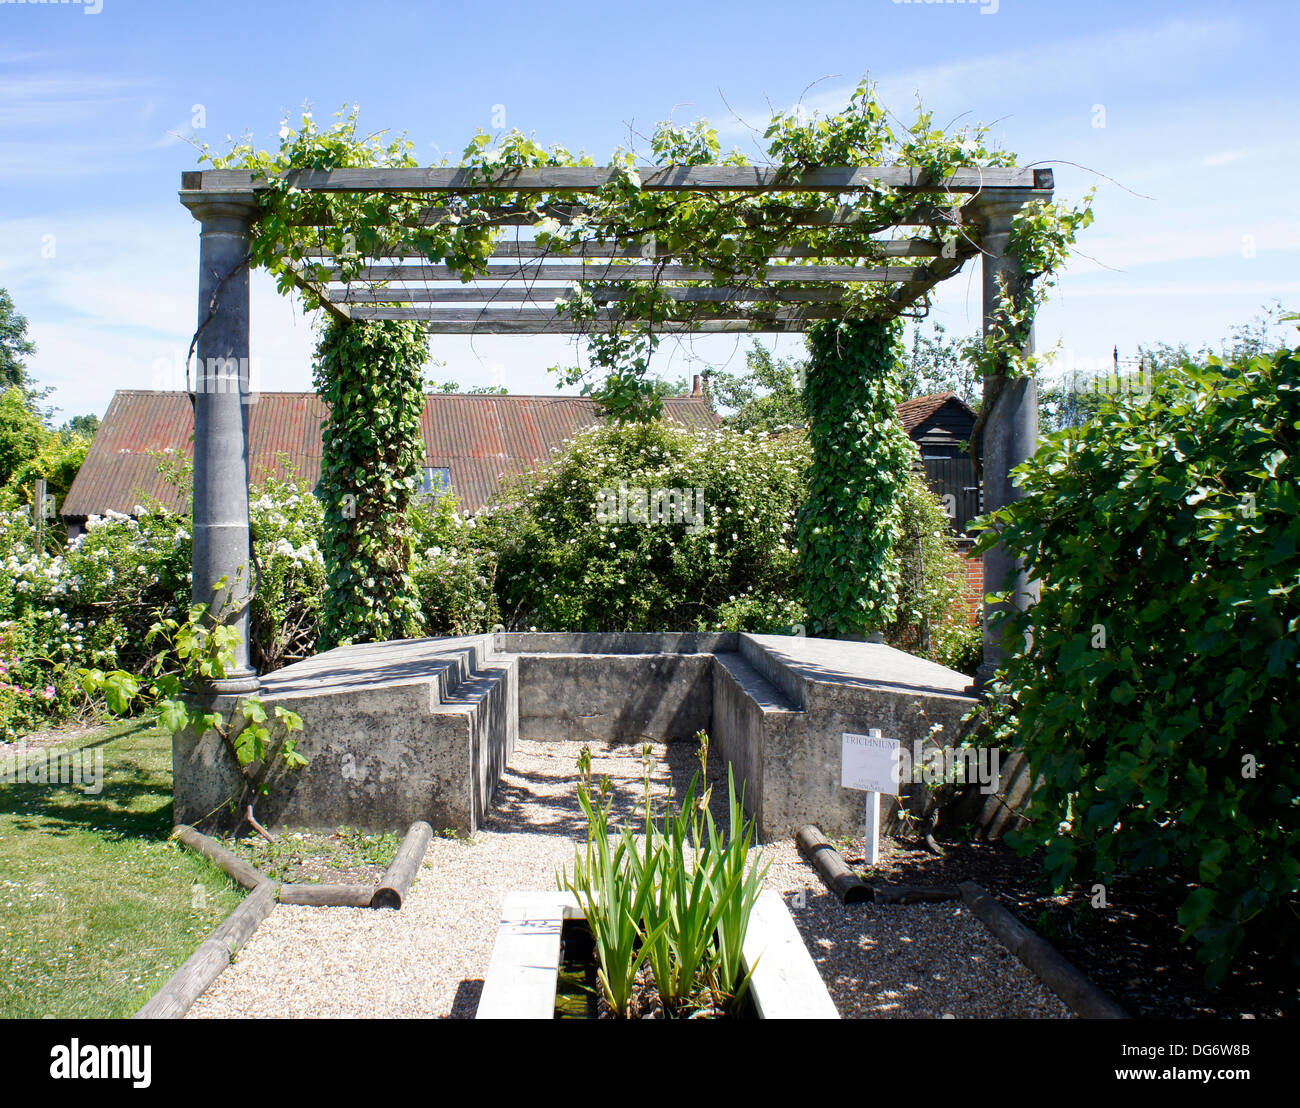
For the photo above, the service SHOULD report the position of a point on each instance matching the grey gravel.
(428, 959)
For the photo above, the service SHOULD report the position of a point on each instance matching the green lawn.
(97, 908)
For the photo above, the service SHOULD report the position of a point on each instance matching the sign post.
(870, 762)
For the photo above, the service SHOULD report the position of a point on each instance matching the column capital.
(996, 208)
(231, 211)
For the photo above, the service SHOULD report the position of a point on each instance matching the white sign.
(869, 762)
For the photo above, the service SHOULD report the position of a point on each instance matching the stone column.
(1010, 434)
(221, 407)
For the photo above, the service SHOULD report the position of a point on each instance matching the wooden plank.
(610, 272)
(318, 290)
(567, 327)
(534, 294)
(1050, 966)
(831, 867)
(894, 248)
(205, 965)
(188, 983)
(543, 315)
(932, 274)
(521, 977)
(328, 896)
(239, 926)
(396, 882)
(786, 983)
(923, 215)
(698, 178)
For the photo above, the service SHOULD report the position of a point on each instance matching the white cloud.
(1151, 55)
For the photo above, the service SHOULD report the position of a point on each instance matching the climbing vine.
(370, 375)
(740, 239)
(861, 459)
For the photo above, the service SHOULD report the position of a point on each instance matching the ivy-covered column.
(1010, 419)
(861, 456)
(221, 408)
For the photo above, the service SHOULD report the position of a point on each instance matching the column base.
(983, 676)
(239, 683)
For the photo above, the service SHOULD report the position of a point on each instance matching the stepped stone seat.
(421, 729)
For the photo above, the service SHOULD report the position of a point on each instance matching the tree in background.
(15, 346)
(767, 397)
(933, 362)
(83, 425)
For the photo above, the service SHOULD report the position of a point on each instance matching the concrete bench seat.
(423, 728)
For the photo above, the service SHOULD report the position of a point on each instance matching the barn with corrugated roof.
(472, 441)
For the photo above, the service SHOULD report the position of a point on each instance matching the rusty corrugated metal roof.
(478, 438)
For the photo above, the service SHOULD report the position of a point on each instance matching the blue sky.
(1198, 216)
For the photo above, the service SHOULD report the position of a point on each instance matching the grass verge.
(97, 908)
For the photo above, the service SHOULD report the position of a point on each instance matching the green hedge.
(1158, 694)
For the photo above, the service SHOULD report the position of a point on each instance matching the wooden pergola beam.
(924, 214)
(566, 327)
(537, 294)
(851, 274)
(895, 248)
(488, 317)
(673, 178)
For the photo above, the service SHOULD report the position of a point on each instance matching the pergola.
(526, 284)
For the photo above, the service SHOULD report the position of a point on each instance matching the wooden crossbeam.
(700, 178)
(533, 294)
(939, 270)
(922, 215)
(337, 309)
(610, 272)
(897, 248)
(541, 315)
(560, 326)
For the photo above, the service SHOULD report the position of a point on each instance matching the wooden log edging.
(389, 893)
(204, 966)
(831, 866)
(215, 953)
(396, 882)
(1047, 963)
(238, 870)
(327, 896)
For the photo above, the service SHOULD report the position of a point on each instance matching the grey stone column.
(221, 407)
(1010, 434)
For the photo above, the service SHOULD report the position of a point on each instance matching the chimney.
(695, 386)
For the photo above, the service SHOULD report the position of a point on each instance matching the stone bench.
(422, 729)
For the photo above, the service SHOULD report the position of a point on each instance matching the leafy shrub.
(1158, 692)
(568, 560)
(285, 523)
(451, 569)
(931, 577)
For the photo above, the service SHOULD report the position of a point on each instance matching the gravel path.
(428, 960)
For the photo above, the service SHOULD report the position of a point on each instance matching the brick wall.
(973, 598)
